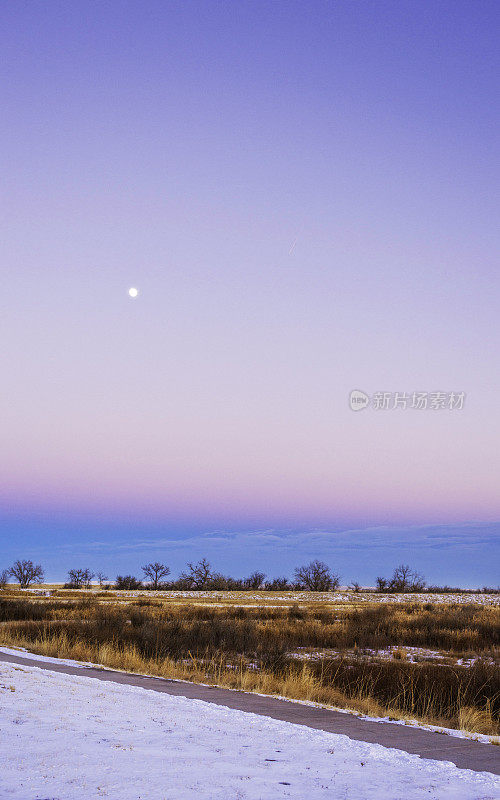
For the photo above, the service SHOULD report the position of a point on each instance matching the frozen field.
(71, 737)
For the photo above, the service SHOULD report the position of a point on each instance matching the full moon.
(133, 292)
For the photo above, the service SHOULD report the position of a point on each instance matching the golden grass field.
(431, 658)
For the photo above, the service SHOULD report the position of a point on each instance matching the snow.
(74, 737)
(477, 737)
(410, 654)
(261, 597)
(23, 653)
(327, 597)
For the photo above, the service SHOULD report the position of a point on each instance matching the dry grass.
(457, 629)
(476, 720)
(250, 649)
(293, 684)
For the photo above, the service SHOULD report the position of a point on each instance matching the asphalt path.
(465, 753)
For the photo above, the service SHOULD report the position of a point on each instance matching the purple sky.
(306, 196)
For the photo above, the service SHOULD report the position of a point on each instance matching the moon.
(133, 292)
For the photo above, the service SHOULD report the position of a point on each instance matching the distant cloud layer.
(462, 554)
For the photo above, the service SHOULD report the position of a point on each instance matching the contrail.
(293, 245)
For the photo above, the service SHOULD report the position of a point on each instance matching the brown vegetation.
(255, 649)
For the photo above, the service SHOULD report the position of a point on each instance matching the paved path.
(465, 753)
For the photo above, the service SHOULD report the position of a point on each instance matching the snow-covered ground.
(67, 737)
(262, 597)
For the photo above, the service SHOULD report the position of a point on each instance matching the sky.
(305, 196)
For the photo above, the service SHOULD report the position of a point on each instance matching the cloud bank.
(461, 554)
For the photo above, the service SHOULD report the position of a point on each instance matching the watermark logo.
(418, 401)
(358, 400)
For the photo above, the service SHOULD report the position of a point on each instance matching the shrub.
(127, 582)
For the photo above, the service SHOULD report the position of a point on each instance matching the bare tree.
(4, 578)
(355, 587)
(155, 572)
(255, 580)
(102, 578)
(218, 582)
(88, 576)
(382, 584)
(197, 576)
(80, 578)
(75, 579)
(316, 577)
(418, 582)
(405, 579)
(25, 572)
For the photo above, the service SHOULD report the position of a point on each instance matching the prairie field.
(433, 658)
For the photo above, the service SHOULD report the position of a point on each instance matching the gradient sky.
(306, 196)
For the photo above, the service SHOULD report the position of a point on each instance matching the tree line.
(316, 576)
(200, 576)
